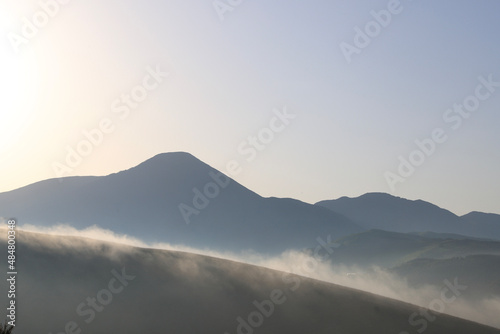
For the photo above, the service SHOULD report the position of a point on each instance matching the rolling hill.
(388, 249)
(480, 273)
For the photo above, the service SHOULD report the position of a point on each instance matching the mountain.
(388, 249)
(176, 198)
(488, 223)
(390, 213)
(73, 285)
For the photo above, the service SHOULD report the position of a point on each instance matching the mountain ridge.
(392, 213)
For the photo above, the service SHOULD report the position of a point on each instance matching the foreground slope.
(76, 283)
(145, 201)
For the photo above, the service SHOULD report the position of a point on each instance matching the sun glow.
(18, 82)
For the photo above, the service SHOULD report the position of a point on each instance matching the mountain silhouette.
(390, 213)
(176, 198)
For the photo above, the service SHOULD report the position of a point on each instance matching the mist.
(303, 263)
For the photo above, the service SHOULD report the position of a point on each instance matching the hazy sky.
(232, 68)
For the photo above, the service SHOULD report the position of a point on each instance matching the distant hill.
(388, 249)
(434, 235)
(390, 213)
(425, 259)
(73, 283)
(145, 201)
(480, 273)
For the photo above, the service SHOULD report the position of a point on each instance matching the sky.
(313, 99)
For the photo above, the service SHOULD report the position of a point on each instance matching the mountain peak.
(480, 214)
(182, 162)
(171, 157)
(380, 195)
(370, 196)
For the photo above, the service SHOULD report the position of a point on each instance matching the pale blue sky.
(352, 120)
